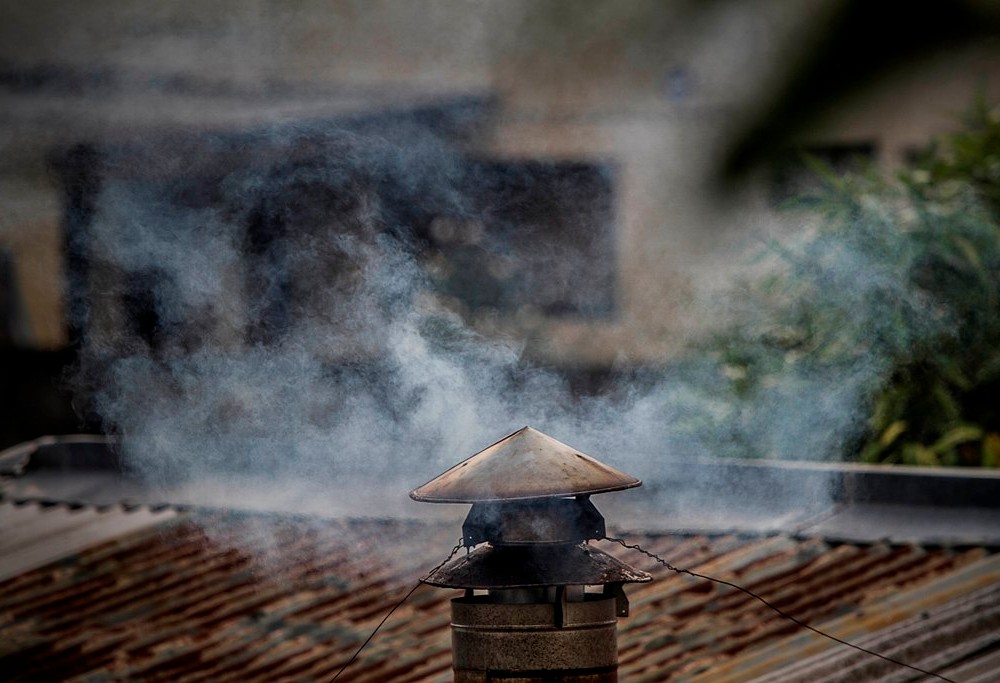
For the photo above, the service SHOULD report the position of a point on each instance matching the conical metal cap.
(522, 466)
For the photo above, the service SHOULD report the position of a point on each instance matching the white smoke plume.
(363, 373)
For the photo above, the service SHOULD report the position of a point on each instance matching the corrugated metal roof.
(217, 597)
(38, 533)
(958, 638)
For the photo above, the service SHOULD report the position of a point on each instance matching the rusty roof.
(194, 594)
(522, 466)
(241, 597)
(32, 535)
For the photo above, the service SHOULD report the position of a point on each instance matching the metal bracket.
(560, 606)
(621, 600)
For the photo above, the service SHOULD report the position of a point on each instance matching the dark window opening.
(303, 210)
(538, 234)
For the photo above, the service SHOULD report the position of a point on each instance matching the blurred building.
(555, 165)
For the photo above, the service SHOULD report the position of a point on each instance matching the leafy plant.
(892, 297)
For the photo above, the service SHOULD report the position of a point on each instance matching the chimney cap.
(524, 465)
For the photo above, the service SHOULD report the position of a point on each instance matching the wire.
(394, 608)
(780, 611)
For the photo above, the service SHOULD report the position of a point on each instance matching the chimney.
(540, 604)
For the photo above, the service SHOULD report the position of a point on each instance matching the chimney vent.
(539, 603)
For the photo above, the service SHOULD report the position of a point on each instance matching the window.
(282, 221)
(537, 234)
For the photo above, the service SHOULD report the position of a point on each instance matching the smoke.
(285, 330)
(290, 333)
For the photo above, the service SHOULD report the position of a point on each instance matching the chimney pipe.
(540, 604)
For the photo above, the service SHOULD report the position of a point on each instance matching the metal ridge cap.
(946, 487)
(841, 467)
(14, 459)
(126, 505)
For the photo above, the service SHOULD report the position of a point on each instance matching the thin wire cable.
(780, 611)
(394, 608)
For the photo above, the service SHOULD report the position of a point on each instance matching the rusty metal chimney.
(540, 604)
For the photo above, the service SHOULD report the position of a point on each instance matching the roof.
(188, 593)
(238, 597)
(35, 534)
(522, 466)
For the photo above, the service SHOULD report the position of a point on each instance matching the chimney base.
(550, 642)
(607, 676)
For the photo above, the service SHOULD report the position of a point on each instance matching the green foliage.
(895, 288)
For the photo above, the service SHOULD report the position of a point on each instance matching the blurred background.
(778, 205)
